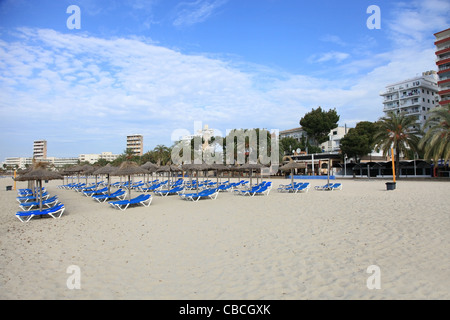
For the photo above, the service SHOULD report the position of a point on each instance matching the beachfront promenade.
(312, 245)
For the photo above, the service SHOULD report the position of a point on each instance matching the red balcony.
(442, 41)
(444, 92)
(444, 102)
(441, 32)
(441, 62)
(442, 51)
(446, 81)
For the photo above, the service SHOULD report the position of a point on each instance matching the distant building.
(135, 143)
(415, 96)
(333, 145)
(24, 162)
(330, 146)
(40, 149)
(296, 133)
(442, 44)
(93, 158)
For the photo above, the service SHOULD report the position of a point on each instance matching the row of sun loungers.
(30, 204)
(186, 190)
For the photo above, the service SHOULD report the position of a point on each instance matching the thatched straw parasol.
(151, 167)
(108, 170)
(75, 169)
(39, 173)
(193, 167)
(169, 169)
(291, 166)
(129, 169)
(87, 169)
(218, 167)
(251, 167)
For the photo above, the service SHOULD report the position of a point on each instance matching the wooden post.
(393, 163)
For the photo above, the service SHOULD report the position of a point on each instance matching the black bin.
(8, 188)
(390, 185)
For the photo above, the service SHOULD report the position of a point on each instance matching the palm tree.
(397, 131)
(162, 153)
(436, 142)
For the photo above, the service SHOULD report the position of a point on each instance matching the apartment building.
(415, 96)
(442, 44)
(40, 149)
(135, 143)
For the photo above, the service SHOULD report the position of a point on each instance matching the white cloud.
(413, 22)
(190, 13)
(330, 56)
(85, 94)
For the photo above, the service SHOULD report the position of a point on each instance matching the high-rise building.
(415, 96)
(135, 143)
(442, 44)
(40, 149)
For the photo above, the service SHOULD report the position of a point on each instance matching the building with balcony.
(330, 146)
(442, 44)
(415, 96)
(135, 143)
(40, 149)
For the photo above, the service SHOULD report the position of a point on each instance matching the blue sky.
(156, 66)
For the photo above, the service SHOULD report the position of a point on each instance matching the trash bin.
(390, 185)
(8, 188)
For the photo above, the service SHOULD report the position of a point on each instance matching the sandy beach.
(315, 245)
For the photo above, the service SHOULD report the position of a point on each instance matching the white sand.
(316, 245)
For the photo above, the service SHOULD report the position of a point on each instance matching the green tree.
(288, 144)
(359, 141)
(243, 147)
(162, 154)
(436, 141)
(318, 124)
(397, 131)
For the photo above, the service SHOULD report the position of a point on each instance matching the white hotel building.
(415, 96)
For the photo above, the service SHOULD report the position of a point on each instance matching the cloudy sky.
(157, 66)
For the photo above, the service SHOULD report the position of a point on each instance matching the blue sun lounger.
(143, 199)
(119, 194)
(54, 212)
(90, 193)
(48, 203)
(172, 191)
(45, 195)
(208, 193)
(329, 186)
